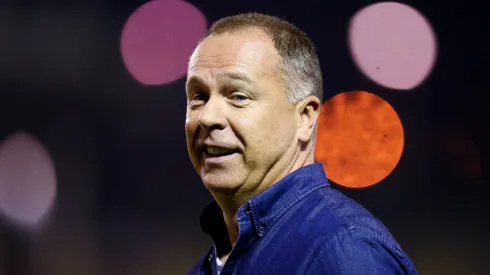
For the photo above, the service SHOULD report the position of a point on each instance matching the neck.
(230, 203)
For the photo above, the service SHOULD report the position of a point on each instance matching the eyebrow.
(194, 80)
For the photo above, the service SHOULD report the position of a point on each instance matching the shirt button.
(261, 229)
(210, 257)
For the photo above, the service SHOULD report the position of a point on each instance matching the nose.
(212, 114)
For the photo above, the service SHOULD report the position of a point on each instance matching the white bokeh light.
(27, 180)
(393, 44)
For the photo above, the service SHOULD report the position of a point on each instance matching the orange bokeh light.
(360, 139)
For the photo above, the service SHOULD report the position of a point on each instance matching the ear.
(308, 110)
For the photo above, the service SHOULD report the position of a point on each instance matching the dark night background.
(128, 198)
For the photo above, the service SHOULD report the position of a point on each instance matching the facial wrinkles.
(259, 60)
(248, 57)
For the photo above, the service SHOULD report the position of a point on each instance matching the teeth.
(217, 150)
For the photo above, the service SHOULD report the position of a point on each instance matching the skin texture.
(235, 100)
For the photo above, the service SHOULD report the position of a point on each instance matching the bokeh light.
(27, 180)
(158, 39)
(392, 44)
(360, 139)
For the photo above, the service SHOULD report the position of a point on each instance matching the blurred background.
(94, 172)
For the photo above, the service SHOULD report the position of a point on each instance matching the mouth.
(217, 153)
(213, 151)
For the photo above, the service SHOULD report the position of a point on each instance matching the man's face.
(240, 128)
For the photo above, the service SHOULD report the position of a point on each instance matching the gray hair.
(300, 67)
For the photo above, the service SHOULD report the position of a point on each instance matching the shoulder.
(354, 222)
(349, 214)
(359, 240)
(327, 210)
(359, 250)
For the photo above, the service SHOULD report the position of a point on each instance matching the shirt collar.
(267, 207)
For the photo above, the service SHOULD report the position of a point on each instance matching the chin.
(221, 183)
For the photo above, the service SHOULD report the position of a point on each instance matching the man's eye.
(198, 97)
(239, 97)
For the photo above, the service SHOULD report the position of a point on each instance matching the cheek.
(283, 131)
(280, 121)
(190, 128)
(268, 129)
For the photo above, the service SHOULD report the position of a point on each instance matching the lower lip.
(217, 159)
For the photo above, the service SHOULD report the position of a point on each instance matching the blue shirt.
(302, 226)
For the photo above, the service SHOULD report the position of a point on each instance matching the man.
(254, 91)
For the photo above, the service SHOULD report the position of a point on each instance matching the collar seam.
(276, 217)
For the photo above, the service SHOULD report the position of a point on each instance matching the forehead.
(248, 52)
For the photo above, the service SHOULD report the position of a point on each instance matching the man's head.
(254, 92)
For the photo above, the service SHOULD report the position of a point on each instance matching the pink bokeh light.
(392, 44)
(158, 39)
(27, 180)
